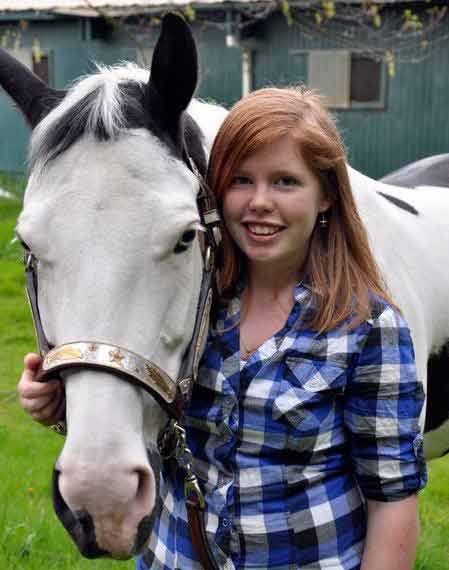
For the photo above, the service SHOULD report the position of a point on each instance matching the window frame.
(380, 104)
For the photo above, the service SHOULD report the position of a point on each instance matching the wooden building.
(383, 65)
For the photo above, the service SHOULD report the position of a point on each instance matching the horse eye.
(186, 239)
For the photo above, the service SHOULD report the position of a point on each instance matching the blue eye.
(240, 180)
(286, 181)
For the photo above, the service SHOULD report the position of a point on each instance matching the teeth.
(262, 230)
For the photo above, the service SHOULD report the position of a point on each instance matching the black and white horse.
(110, 213)
(109, 201)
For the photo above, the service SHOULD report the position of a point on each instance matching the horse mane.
(102, 104)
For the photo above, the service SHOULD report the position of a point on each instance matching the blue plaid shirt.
(289, 444)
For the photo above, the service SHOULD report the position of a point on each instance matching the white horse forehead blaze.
(134, 179)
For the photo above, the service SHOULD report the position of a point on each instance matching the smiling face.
(272, 205)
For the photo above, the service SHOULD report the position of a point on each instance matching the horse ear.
(34, 98)
(174, 70)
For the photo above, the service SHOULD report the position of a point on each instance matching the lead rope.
(173, 447)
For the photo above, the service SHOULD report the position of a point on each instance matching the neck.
(271, 290)
(268, 282)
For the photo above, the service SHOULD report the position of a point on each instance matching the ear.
(174, 71)
(34, 98)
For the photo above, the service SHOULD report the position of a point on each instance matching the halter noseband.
(172, 395)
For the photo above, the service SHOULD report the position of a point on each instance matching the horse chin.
(104, 536)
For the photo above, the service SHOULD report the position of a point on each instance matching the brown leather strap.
(198, 535)
(31, 292)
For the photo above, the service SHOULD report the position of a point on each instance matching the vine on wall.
(396, 34)
(11, 40)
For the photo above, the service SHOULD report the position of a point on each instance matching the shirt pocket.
(308, 392)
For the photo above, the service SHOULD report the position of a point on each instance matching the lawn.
(30, 535)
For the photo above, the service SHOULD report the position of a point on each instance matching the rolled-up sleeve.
(383, 401)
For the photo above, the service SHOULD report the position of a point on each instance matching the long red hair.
(340, 265)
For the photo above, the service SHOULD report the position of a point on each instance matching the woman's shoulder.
(384, 336)
(383, 326)
(384, 314)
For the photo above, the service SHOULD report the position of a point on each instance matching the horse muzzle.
(119, 531)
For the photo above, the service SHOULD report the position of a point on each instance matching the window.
(366, 79)
(40, 68)
(347, 79)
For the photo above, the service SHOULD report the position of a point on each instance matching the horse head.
(110, 214)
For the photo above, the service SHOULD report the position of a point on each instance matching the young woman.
(304, 422)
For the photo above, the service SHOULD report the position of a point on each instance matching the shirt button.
(226, 522)
(228, 401)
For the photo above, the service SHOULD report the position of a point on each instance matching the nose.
(106, 484)
(105, 508)
(261, 199)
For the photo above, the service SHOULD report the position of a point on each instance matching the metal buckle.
(172, 445)
(208, 259)
(192, 491)
(185, 387)
(28, 259)
(59, 428)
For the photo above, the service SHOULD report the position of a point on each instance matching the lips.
(262, 231)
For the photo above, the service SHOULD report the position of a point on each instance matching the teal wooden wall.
(414, 122)
(71, 54)
(412, 125)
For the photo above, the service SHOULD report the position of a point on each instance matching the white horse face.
(105, 237)
(108, 200)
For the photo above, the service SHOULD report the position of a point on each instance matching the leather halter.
(172, 395)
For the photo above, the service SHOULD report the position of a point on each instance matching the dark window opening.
(101, 29)
(40, 67)
(366, 79)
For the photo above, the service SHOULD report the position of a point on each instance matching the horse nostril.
(143, 484)
(79, 525)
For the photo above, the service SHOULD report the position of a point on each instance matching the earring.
(324, 222)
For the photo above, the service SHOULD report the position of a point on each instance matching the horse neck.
(209, 118)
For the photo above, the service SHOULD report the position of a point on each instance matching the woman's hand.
(44, 402)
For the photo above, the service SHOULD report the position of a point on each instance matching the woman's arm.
(392, 535)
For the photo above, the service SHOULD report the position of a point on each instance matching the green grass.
(31, 538)
(14, 183)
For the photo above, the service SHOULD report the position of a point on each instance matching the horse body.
(410, 246)
(429, 171)
(108, 202)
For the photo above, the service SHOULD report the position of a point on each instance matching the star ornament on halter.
(116, 356)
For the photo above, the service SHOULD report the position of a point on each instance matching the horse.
(429, 171)
(111, 217)
(112, 224)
